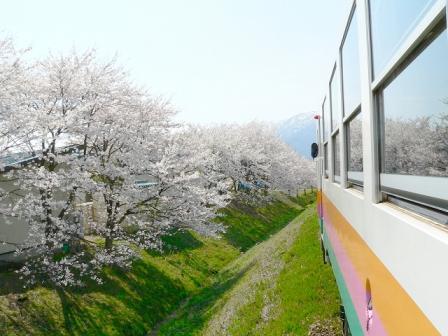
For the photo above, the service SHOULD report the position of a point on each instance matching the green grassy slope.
(132, 303)
(263, 222)
(309, 298)
(279, 287)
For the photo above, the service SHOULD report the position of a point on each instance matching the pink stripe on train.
(353, 282)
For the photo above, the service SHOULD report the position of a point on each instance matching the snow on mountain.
(299, 132)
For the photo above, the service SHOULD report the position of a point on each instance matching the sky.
(216, 60)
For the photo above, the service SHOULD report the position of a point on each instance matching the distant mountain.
(299, 132)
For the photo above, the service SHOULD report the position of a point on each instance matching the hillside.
(134, 302)
(278, 287)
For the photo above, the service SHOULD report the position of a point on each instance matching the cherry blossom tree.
(252, 158)
(416, 146)
(92, 133)
(14, 85)
(441, 145)
(141, 144)
(47, 187)
(87, 133)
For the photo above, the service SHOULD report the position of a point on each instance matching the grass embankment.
(279, 287)
(134, 302)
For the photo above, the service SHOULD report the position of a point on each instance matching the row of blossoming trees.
(92, 135)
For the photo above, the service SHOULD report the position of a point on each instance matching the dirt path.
(155, 331)
(256, 290)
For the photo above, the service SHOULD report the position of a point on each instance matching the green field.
(185, 290)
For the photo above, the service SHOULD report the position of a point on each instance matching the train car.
(382, 166)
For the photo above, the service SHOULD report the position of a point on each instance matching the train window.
(351, 80)
(327, 119)
(354, 150)
(335, 94)
(336, 158)
(326, 159)
(414, 106)
(391, 23)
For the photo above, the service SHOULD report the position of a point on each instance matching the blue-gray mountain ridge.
(299, 132)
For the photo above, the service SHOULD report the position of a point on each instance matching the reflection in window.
(326, 159)
(336, 156)
(415, 106)
(350, 68)
(392, 21)
(327, 119)
(335, 94)
(354, 145)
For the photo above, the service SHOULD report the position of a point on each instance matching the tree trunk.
(50, 228)
(109, 243)
(110, 224)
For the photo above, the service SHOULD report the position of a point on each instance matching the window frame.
(326, 142)
(432, 17)
(441, 217)
(370, 104)
(332, 77)
(345, 115)
(426, 191)
(437, 8)
(336, 154)
(353, 178)
(324, 130)
(326, 160)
